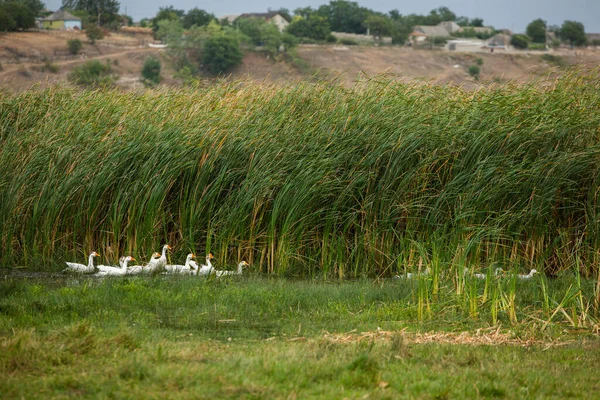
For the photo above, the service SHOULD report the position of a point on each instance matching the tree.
(166, 13)
(519, 41)
(476, 22)
(574, 32)
(303, 12)
(21, 15)
(379, 26)
(536, 30)
(75, 46)
(100, 11)
(151, 71)
(314, 27)
(345, 16)
(221, 53)
(197, 17)
(7, 22)
(34, 6)
(93, 32)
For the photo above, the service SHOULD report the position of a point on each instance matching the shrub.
(519, 41)
(50, 67)
(555, 43)
(556, 60)
(348, 42)
(474, 71)
(75, 46)
(92, 73)
(94, 33)
(221, 53)
(479, 61)
(537, 46)
(151, 71)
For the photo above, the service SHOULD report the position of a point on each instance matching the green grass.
(306, 180)
(260, 337)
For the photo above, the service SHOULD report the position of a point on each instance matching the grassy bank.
(275, 338)
(308, 179)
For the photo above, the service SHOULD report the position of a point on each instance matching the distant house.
(420, 33)
(499, 40)
(61, 20)
(273, 17)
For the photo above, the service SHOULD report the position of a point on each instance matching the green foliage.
(379, 25)
(555, 43)
(221, 53)
(574, 32)
(474, 71)
(345, 16)
(348, 42)
(16, 16)
(166, 14)
(92, 73)
(509, 174)
(50, 67)
(537, 46)
(437, 40)
(313, 26)
(197, 17)
(479, 61)
(151, 71)
(536, 30)
(74, 45)
(595, 42)
(94, 33)
(519, 41)
(556, 60)
(100, 12)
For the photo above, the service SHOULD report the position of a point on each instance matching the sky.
(501, 14)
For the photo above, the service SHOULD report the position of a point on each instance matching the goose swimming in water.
(81, 268)
(104, 270)
(203, 270)
(229, 273)
(529, 275)
(182, 269)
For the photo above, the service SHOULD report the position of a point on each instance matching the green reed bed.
(310, 179)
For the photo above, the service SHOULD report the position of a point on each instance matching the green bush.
(479, 61)
(537, 46)
(92, 73)
(474, 71)
(556, 60)
(75, 46)
(348, 42)
(151, 71)
(519, 41)
(221, 53)
(50, 67)
(94, 32)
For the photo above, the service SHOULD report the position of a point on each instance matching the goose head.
(533, 272)
(155, 255)
(244, 264)
(94, 254)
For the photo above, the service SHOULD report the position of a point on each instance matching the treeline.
(19, 14)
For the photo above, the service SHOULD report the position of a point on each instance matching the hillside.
(24, 55)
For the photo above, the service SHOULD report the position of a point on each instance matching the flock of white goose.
(498, 273)
(157, 264)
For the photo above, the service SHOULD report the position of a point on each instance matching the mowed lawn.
(257, 337)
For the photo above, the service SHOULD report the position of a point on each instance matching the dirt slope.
(24, 54)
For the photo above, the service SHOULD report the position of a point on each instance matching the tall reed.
(306, 179)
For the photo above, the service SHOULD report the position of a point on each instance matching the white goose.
(80, 268)
(410, 275)
(204, 270)
(140, 269)
(238, 272)
(104, 270)
(529, 275)
(182, 269)
(162, 261)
